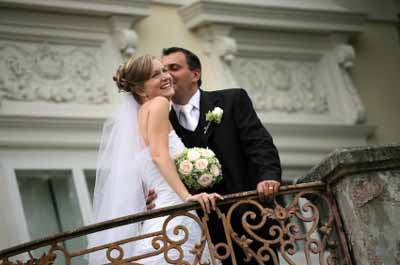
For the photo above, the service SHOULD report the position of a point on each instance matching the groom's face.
(185, 80)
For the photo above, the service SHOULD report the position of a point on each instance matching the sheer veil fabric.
(118, 190)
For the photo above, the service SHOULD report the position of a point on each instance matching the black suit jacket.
(241, 143)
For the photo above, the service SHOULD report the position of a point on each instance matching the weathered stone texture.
(370, 207)
(365, 182)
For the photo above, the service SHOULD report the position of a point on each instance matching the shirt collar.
(194, 101)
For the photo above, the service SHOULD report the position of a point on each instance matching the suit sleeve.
(256, 141)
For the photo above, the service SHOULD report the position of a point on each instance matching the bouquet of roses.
(198, 168)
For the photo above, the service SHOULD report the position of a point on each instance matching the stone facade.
(295, 58)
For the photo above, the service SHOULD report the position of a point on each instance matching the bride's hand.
(206, 200)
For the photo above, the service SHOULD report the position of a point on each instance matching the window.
(51, 205)
(90, 176)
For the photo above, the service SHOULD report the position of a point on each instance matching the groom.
(244, 147)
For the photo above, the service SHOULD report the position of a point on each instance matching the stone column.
(365, 182)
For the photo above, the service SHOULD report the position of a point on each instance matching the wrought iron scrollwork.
(304, 225)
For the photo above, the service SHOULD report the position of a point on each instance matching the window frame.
(75, 161)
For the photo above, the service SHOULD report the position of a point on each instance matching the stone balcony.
(344, 211)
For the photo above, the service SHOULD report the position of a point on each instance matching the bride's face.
(160, 82)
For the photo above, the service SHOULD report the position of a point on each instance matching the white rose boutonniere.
(213, 116)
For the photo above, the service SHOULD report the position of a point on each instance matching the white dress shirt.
(194, 113)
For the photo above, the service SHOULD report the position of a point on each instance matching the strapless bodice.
(151, 176)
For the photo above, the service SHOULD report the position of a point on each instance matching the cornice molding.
(259, 15)
(138, 8)
(302, 146)
(54, 132)
(312, 139)
(21, 122)
(170, 2)
(327, 130)
(72, 15)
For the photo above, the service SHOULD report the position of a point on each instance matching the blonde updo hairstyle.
(132, 75)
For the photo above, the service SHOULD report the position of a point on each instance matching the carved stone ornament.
(127, 40)
(226, 48)
(51, 73)
(281, 85)
(345, 56)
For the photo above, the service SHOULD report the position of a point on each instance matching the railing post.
(344, 245)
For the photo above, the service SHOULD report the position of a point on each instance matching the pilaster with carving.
(293, 61)
(293, 57)
(125, 38)
(345, 58)
(222, 51)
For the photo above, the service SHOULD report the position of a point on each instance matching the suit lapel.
(208, 102)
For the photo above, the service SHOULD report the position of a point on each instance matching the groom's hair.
(192, 60)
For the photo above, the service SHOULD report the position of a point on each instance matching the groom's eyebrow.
(173, 66)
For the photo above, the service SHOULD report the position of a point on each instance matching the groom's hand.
(267, 189)
(151, 196)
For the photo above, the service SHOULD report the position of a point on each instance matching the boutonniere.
(213, 116)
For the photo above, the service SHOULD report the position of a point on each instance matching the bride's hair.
(132, 75)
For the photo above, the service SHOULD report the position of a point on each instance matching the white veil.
(118, 190)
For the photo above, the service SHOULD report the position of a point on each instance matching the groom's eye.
(174, 67)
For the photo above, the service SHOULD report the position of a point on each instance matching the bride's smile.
(160, 82)
(167, 85)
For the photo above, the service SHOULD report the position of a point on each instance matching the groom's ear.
(196, 75)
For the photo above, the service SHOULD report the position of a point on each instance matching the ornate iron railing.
(302, 220)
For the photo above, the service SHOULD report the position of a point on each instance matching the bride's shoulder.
(158, 103)
(156, 107)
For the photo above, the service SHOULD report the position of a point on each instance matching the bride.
(136, 155)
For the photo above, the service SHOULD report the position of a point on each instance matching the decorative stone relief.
(281, 85)
(222, 50)
(226, 48)
(345, 57)
(51, 73)
(127, 41)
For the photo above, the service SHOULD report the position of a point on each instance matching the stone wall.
(365, 182)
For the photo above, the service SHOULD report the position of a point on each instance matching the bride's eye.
(156, 74)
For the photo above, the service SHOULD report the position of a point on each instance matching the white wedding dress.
(125, 173)
(166, 196)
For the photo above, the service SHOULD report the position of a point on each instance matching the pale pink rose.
(207, 153)
(193, 155)
(201, 164)
(205, 180)
(185, 167)
(215, 170)
(177, 155)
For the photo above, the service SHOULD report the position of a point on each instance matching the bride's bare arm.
(158, 128)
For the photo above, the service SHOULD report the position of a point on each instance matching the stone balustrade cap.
(344, 161)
